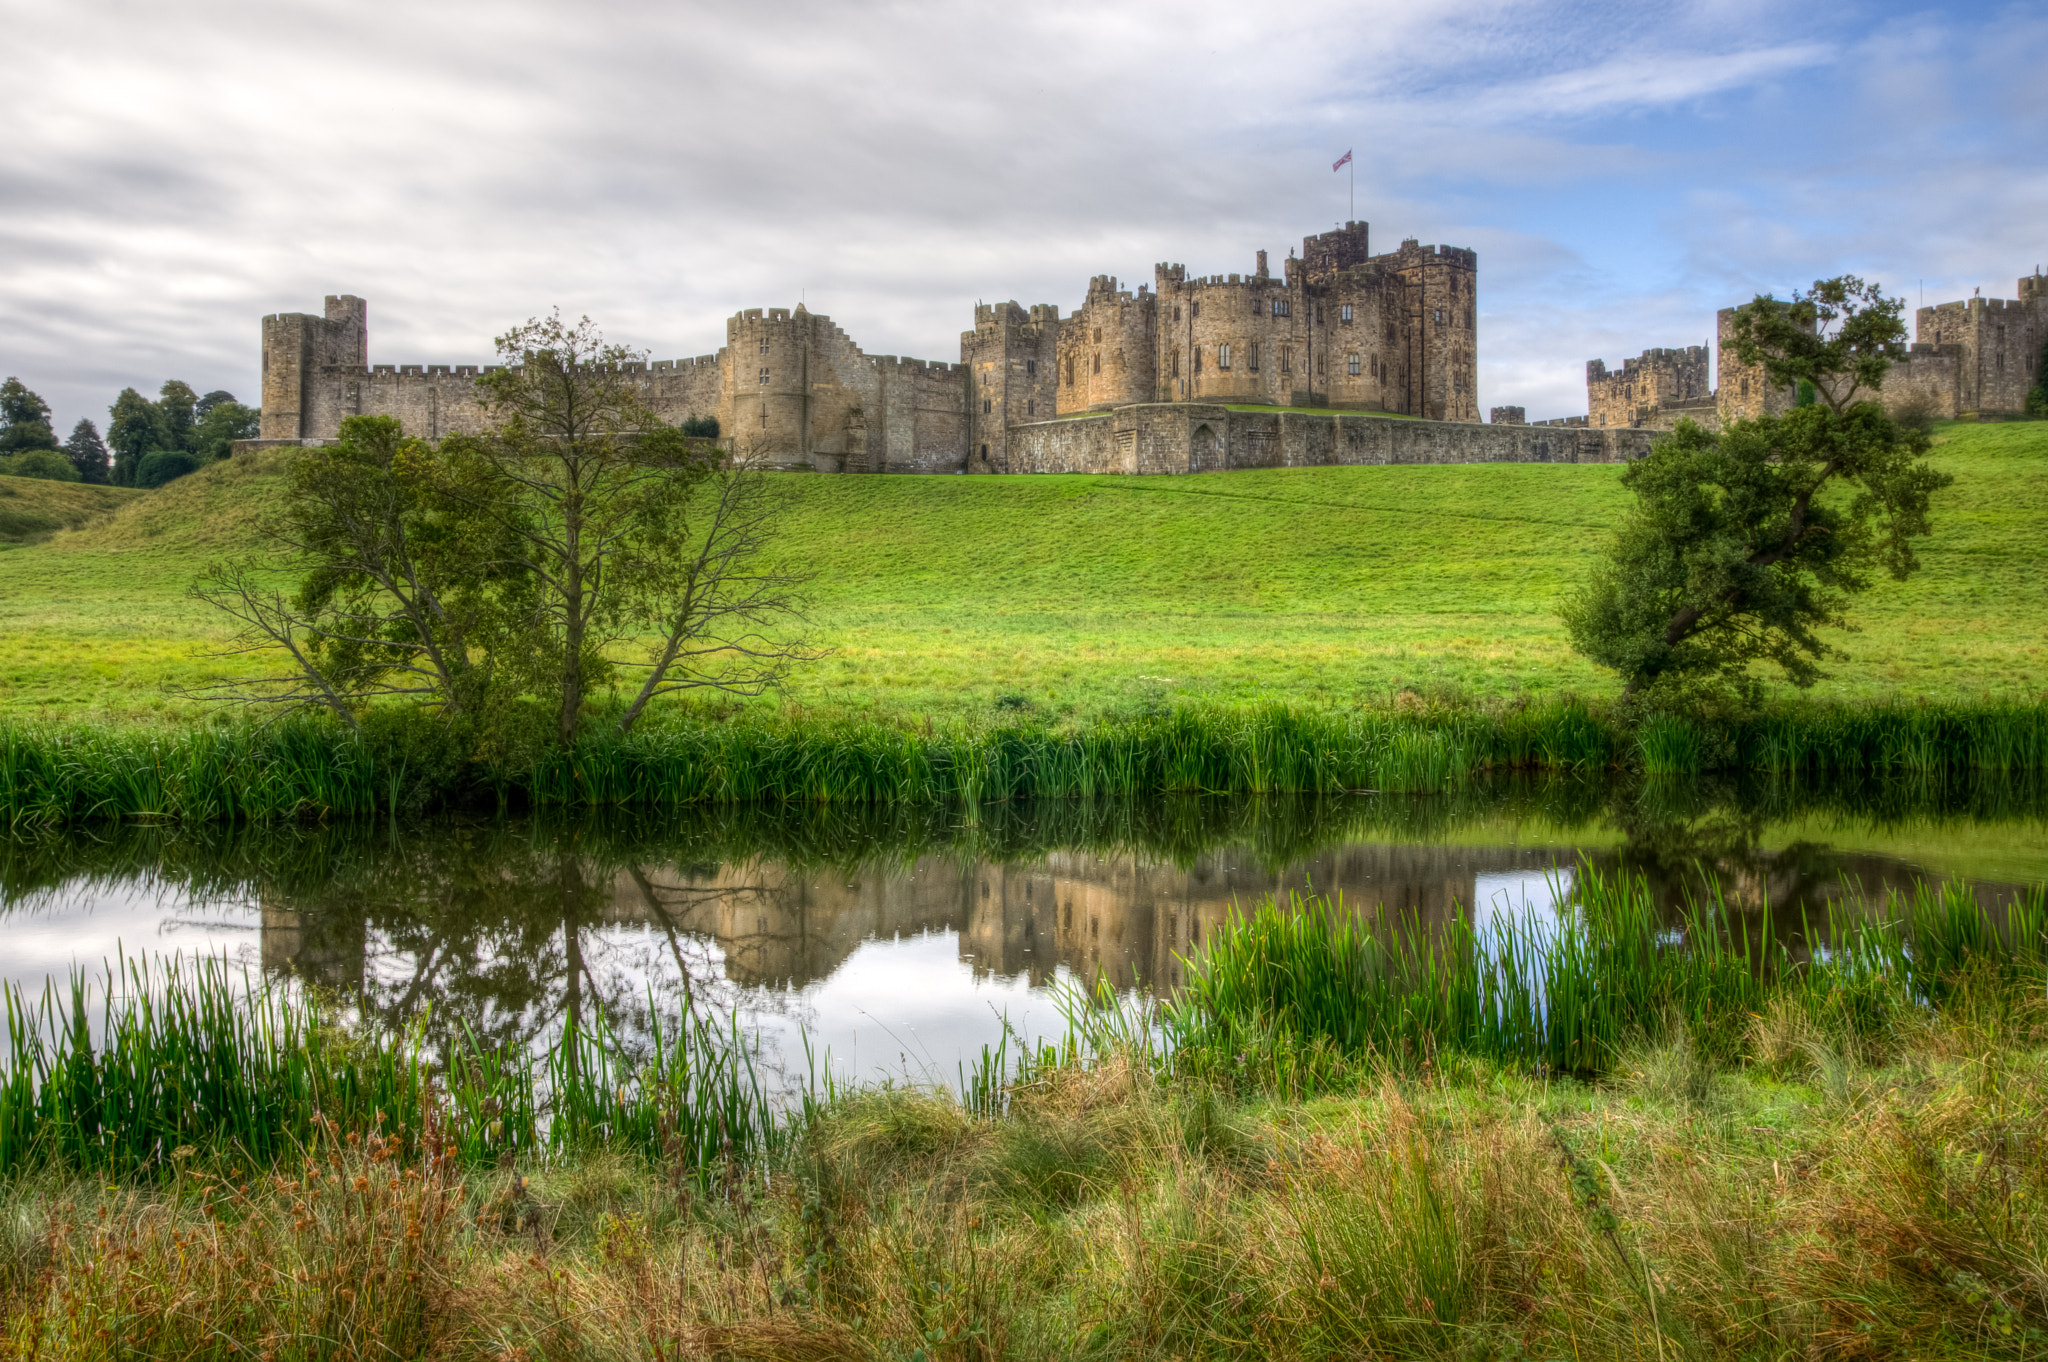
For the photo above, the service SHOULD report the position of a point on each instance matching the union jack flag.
(1342, 161)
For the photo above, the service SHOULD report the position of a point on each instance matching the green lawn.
(1088, 594)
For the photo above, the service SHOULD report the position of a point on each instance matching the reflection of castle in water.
(1118, 915)
(1125, 917)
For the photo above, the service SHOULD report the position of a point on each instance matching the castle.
(1977, 357)
(1345, 357)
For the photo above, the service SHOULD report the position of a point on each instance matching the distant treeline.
(147, 443)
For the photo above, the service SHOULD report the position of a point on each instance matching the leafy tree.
(391, 588)
(699, 427)
(162, 466)
(1837, 340)
(1743, 544)
(578, 541)
(86, 452)
(24, 419)
(221, 423)
(133, 432)
(39, 463)
(597, 494)
(175, 407)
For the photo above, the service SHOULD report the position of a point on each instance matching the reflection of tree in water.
(1680, 834)
(508, 928)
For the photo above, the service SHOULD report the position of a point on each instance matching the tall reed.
(118, 1075)
(53, 775)
(1317, 981)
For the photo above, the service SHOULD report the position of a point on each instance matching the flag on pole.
(1342, 161)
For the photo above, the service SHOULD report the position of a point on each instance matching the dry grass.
(1813, 1204)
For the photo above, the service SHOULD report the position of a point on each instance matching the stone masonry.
(1337, 329)
(1974, 358)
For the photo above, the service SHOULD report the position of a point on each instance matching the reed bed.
(155, 1062)
(1289, 993)
(57, 775)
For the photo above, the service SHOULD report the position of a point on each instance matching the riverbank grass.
(1807, 1180)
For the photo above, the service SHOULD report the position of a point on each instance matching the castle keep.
(1343, 357)
(1977, 357)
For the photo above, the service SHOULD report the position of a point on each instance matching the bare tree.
(724, 596)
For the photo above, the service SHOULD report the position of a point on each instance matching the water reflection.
(901, 938)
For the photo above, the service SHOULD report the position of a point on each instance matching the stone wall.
(1926, 380)
(1188, 437)
(1342, 328)
(1636, 393)
(1107, 349)
(1012, 358)
(1995, 342)
(1743, 390)
(298, 348)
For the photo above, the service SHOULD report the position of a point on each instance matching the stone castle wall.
(1977, 356)
(1656, 379)
(1338, 327)
(1184, 437)
(1012, 359)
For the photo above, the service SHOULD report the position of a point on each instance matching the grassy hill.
(1089, 594)
(35, 508)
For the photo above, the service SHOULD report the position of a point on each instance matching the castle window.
(1286, 359)
(1198, 359)
(1030, 367)
(1251, 357)
(1176, 365)
(1344, 314)
(1098, 335)
(1281, 307)
(1375, 366)
(764, 375)
(1098, 358)
(1439, 316)
(764, 345)
(985, 406)
(1351, 364)
(1070, 371)
(1030, 406)
(1176, 312)
(1223, 356)
(1194, 310)
(984, 453)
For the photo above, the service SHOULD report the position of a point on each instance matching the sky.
(171, 173)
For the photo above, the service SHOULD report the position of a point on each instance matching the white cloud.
(173, 173)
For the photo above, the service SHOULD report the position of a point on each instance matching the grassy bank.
(1813, 1180)
(1070, 599)
(33, 509)
(80, 773)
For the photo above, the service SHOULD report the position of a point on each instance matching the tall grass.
(231, 773)
(117, 1076)
(1284, 990)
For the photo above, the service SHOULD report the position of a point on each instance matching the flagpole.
(1353, 168)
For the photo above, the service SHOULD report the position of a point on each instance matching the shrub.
(165, 465)
(40, 463)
